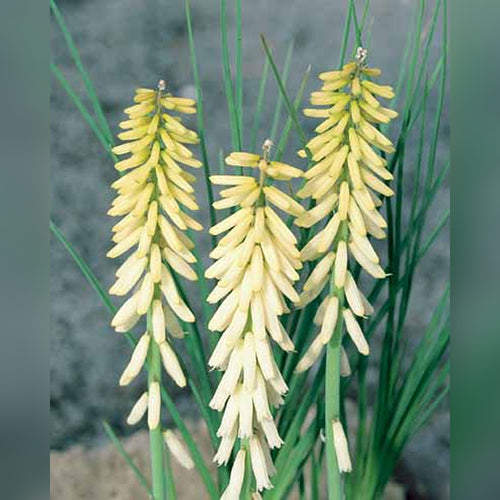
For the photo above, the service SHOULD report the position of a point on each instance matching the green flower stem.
(332, 404)
(332, 383)
(171, 493)
(155, 435)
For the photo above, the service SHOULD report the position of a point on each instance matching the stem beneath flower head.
(155, 435)
(266, 148)
(332, 403)
(332, 384)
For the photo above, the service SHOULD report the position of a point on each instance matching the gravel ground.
(125, 44)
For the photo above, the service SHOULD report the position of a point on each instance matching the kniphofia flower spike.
(256, 265)
(153, 194)
(347, 182)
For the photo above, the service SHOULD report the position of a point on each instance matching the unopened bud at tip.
(268, 144)
(361, 54)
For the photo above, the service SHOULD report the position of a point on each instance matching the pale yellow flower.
(236, 478)
(154, 405)
(341, 447)
(139, 409)
(255, 266)
(153, 194)
(346, 181)
(178, 449)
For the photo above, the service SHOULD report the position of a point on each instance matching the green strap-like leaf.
(239, 71)
(279, 102)
(289, 106)
(258, 106)
(121, 450)
(96, 105)
(228, 84)
(83, 110)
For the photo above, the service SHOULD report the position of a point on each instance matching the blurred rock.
(79, 473)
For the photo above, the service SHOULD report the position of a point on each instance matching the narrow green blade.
(128, 459)
(96, 105)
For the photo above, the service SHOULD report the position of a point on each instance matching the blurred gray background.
(125, 44)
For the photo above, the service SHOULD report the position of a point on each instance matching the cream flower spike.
(346, 182)
(152, 197)
(256, 265)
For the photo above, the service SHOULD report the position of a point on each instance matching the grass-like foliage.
(285, 326)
